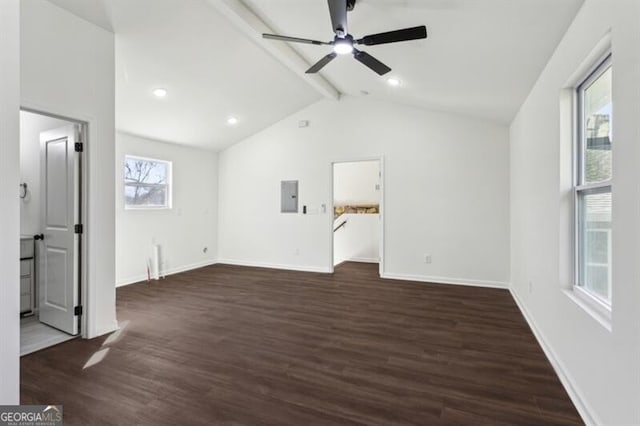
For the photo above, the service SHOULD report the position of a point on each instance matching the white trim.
(168, 205)
(598, 310)
(591, 62)
(580, 189)
(597, 187)
(381, 210)
(445, 280)
(131, 280)
(317, 269)
(362, 260)
(172, 271)
(584, 409)
(89, 133)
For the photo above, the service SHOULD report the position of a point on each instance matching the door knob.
(38, 237)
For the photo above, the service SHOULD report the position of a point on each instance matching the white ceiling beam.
(253, 27)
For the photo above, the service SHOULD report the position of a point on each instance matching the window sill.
(146, 208)
(597, 310)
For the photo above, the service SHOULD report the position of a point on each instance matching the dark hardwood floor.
(246, 346)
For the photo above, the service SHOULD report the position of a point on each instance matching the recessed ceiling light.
(160, 92)
(394, 82)
(232, 121)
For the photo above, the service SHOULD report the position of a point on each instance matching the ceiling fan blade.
(293, 39)
(371, 62)
(321, 63)
(338, 11)
(406, 34)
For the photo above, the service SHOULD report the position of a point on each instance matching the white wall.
(358, 240)
(600, 368)
(10, 211)
(31, 125)
(354, 183)
(182, 231)
(446, 191)
(68, 69)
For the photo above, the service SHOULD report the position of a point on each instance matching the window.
(147, 183)
(593, 183)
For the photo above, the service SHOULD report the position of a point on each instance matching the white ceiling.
(481, 59)
(91, 10)
(210, 70)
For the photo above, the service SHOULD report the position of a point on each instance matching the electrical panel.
(289, 196)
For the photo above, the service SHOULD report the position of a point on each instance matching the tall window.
(593, 183)
(146, 183)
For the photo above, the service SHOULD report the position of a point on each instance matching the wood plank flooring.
(232, 345)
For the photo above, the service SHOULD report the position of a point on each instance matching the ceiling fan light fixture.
(343, 47)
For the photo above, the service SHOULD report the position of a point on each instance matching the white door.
(58, 265)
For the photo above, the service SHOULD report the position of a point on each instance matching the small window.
(593, 183)
(147, 183)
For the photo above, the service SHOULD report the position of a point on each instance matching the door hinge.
(79, 147)
(77, 311)
(79, 229)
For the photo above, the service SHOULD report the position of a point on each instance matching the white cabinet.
(27, 276)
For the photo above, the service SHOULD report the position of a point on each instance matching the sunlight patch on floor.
(114, 338)
(118, 334)
(96, 358)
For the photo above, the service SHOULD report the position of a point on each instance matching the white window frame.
(168, 185)
(595, 301)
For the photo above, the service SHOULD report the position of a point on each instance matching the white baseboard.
(131, 280)
(317, 269)
(445, 280)
(584, 409)
(171, 271)
(357, 260)
(363, 260)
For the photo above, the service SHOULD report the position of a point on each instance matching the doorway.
(50, 229)
(357, 212)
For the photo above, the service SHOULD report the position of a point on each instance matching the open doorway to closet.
(357, 207)
(50, 229)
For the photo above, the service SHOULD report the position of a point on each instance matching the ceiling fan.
(344, 43)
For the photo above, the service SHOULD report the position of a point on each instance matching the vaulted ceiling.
(481, 59)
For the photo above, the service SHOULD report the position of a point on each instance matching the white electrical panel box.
(289, 196)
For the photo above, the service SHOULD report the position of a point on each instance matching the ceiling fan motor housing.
(348, 38)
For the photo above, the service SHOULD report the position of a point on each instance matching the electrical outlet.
(427, 258)
(296, 252)
(530, 286)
